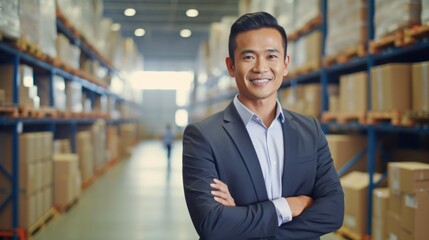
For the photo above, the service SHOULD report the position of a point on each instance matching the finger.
(219, 187)
(223, 202)
(221, 194)
(220, 183)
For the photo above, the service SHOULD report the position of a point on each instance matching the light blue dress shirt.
(268, 143)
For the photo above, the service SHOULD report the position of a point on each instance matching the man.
(255, 170)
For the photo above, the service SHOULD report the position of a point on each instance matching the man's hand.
(221, 193)
(299, 204)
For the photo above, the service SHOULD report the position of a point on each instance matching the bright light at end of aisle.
(115, 27)
(185, 33)
(192, 12)
(129, 12)
(139, 32)
(181, 118)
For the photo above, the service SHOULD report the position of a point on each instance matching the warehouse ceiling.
(161, 45)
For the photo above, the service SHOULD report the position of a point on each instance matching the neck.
(264, 108)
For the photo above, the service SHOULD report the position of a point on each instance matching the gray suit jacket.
(220, 147)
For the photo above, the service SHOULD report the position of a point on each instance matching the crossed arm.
(222, 195)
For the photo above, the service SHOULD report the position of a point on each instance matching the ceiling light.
(192, 12)
(139, 32)
(129, 12)
(185, 33)
(115, 27)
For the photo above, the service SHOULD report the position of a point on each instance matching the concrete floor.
(136, 199)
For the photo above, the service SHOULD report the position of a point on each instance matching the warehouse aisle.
(134, 200)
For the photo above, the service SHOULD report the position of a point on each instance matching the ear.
(230, 66)
(285, 69)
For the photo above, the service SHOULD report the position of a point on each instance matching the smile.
(260, 80)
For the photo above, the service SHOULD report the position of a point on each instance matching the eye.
(248, 57)
(272, 56)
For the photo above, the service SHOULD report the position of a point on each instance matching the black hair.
(253, 21)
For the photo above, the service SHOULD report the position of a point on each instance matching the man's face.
(259, 64)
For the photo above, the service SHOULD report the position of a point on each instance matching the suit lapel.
(237, 131)
(290, 141)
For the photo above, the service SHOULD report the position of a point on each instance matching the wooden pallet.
(42, 222)
(346, 55)
(9, 111)
(307, 68)
(395, 39)
(344, 118)
(67, 207)
(350, 234)
(395, 118)
(88, 182)
(419, 117)
(416, 33)
(26, 112)
(318, 20)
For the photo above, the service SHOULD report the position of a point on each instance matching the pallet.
(395, 39)
(42, 222)
(395, 118)
(419, 117)
(318, 20)
(350, 234)
(344, 118)
(307, 68)
(88, 182)
(9, 111)
(26, 112)
(67, 207)
(416, 33)
(346, 55)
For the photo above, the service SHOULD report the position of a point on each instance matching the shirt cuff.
(284, 214)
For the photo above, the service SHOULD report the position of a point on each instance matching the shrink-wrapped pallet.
(9, 18)
(306, 11)
(285, 13)
(406, 13)
(347, 24)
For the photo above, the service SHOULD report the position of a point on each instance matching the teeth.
(260, 80)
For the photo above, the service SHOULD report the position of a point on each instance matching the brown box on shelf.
(344, 147)
(27, 211)
(48, 173)
(2, 95)
(65, 173)
(65, 164)
(27, 147)
(380, 200)
(420, 87)
(84, 149)
(355, 187)
(391, 87)
(312, 97)
(313, 49)
(395, 205)
(47, 198)
(408, 177)
(354, 93)
(393, 226)
(379, 228)
(414, 215)
(25, 80)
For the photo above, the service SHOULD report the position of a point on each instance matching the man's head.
(253, 21)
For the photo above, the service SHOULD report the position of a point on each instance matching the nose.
(260, 65)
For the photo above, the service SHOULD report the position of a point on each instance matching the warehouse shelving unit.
(15, 126)
(416, 52)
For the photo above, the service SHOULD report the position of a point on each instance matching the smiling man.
(256, 170)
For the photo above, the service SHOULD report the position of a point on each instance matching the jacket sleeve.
(211, 219)
(327, 211)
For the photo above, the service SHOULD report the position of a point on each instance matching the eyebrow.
(252, 51)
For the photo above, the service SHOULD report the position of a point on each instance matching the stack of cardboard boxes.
(408, 200)
(84, 150)
(67, 179)
(35, 177)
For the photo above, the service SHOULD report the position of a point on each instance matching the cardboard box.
(29, 177)
(47, 198)
(420, 87)
(344, 147)
(379, 228)
(312, 97)
(39, 204)
(393, 226)
(395, 203)
(354, 93)
(414, 214)
(48, 173)
(27, 211)
(84, 149)
(65, 164)
(25, 80)
(27, 147)
(380, 201)
(355, 187)
(408, 177)
(391, 87)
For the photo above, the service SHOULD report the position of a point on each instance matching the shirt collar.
(246, 114)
